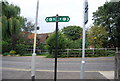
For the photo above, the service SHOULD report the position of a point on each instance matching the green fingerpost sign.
(60, 19)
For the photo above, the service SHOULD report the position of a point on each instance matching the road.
(20, 67)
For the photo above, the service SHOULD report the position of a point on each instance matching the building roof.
(40, 37)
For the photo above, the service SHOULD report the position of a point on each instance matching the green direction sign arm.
(46, 19)
(60, 19)
(63, 19)
(50, 19)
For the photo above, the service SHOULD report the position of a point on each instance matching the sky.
(71, 8)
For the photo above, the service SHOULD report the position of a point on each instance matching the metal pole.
(56, 49)
(83, 55)
(85, 20)
(34, 46)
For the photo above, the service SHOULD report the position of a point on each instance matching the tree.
(77, 44)
(10, 10)
(4, 28)
(96, 36)
(108, 16)
(11, 21)
(63, 42)
(28, 26)
(72, 32)
(11, 24)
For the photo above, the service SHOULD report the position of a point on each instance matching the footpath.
(60, 75)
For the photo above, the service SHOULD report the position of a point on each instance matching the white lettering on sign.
(64, 19)
(50, 19)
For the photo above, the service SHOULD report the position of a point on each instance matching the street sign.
(60, 19)
(50, 19)
(63, 19)
(56, 19)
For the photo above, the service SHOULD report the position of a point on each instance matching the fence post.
(93, 50)
(67, 52)
(106, 52)
(79, 52)
(116, 49)
(117, 65)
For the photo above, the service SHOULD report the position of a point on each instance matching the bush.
(40, 46)
(50, 56)
(12, 52)
(21, 49)
(63, 42)
(5, 54)
(5, 47)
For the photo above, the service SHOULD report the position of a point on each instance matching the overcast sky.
(71, 8)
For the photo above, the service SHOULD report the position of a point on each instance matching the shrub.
(50, 56)
(63, 42)
(40, 46)
(5, 54)
(5, 47)
(12, 52)
(21, 49)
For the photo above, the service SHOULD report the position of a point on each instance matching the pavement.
(61, 75)
(108, 75)
(68, 68)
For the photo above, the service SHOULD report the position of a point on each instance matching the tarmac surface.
(68, 68)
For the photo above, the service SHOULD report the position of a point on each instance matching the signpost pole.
(56, 49)
(56, 19)
(85, 20)
(34, 46)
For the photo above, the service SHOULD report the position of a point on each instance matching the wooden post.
(106, 52)
(116, 49)
(93, 50)
(67, 52)
(117, 65)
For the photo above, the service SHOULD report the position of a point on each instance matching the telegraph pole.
(85, 20)
(34, 46)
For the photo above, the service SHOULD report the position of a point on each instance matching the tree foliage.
(68, 38)
(72, 32)
(11, 21)
(96, 35)
(11, 25)
(77, 44)
(10, 10)
(108, 16)
(28, 26)
(63, 42)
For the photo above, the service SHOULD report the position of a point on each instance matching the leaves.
(108, 16)
(11, 23)
(72, 32)
(96, 35)
(63, 42)
(28, 26)
(10, 10)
